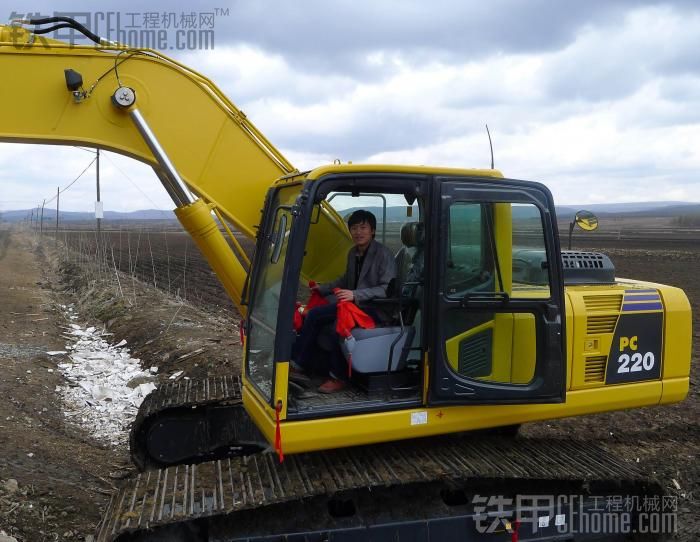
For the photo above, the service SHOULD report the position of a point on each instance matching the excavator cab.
(476, 318)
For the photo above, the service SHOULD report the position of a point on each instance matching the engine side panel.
(629, 332)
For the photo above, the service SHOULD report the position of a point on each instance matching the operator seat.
(371, 348)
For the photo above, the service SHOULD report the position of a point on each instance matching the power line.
(137, 186)
(155, 205)
(72, 182)
(91, 151)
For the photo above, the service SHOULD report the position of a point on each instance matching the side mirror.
(585, 220)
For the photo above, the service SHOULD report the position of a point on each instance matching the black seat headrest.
(412, 234)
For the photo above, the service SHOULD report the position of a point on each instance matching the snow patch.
(97, 396)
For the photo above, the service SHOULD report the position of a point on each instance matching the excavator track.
(191, 421)
(392, 491)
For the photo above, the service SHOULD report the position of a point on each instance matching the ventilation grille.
(582, 260)
(595, 369)
(475, 355)
(602, 323)
(599, 303)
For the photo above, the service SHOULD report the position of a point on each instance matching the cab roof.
(330, 169)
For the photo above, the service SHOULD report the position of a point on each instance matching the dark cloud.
(322, 36)
(336, 36)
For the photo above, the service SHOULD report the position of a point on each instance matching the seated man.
(370, 269)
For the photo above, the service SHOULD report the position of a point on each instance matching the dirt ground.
(55, 480)
(63, 477)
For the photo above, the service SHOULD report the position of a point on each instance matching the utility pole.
(98, 207)
(41, 227)
(58, 199)
(31, 220)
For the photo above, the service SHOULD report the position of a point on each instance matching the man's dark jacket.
(378, 269)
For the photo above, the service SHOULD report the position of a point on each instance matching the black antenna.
(490, 144)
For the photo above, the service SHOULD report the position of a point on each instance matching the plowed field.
(64, 477)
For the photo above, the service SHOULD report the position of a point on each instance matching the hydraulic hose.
(68, 23)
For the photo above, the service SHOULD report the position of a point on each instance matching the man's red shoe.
(332, 385)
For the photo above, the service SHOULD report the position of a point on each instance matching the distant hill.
(75, 216)
(649, 208)
(672, 210)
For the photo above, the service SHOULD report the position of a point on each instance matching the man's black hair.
(360, 216)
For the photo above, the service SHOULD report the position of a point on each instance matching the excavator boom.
(202, 132)
(200, 136)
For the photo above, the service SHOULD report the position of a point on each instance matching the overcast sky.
(599, 100)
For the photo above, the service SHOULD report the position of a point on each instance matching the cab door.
(497, 294)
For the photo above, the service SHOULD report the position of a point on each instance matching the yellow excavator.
(493, 326)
